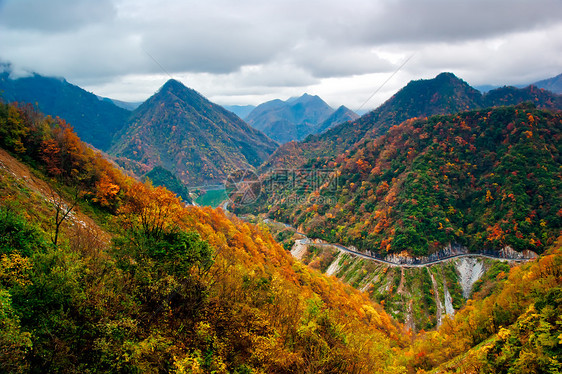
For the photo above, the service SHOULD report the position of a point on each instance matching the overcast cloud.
(250, 51)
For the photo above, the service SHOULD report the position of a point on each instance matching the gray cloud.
(218, 48)
(55, 15)
(324, 60)
(519, 58)
(398, 21)
(234, 49)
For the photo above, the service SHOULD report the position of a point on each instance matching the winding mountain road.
(420, 264)
(415, 262)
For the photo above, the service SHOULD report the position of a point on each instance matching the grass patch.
(212, 198)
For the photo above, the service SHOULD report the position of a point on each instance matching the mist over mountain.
(95, 121)
(553, 85)
(128, 105)
(241, 111)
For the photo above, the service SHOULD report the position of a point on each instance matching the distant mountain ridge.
(444, 94)
(128, 105)
(296, 117)
(341, 115)
(509, 95)
(553, 84)
(241, 111)
(199, 141)
(208, 152)
(95, 121)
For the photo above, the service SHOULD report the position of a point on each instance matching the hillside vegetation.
(516, 329)
(198, 141)
(484, 179)
(101, 273)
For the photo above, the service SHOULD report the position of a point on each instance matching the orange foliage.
(50, 154)
(106, 191)
(150, 209)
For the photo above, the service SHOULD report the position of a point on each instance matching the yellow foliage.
(14, 269)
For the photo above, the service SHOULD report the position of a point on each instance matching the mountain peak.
(444, 79)
(447, 75)
(450, 78)
(309, 96)
(303, 97)
(173, 81)
(175, 91)
(292, 119)
(446, 93)
(172, 85)
(198, 141)
(343, 108)
(341, 115)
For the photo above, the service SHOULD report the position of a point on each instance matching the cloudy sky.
(251, 51)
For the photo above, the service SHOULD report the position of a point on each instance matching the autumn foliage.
(177, 289)
(484, 179)
(165, 287)
(515, 329)
(53, 147)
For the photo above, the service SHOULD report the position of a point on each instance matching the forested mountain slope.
(444, 94)
(130, 280)
(483, 179)
(101, 273)
(200, 142)
(95, 121)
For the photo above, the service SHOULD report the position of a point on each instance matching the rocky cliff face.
(419, 291)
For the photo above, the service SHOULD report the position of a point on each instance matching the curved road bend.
(390, 263)
(443, 259)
